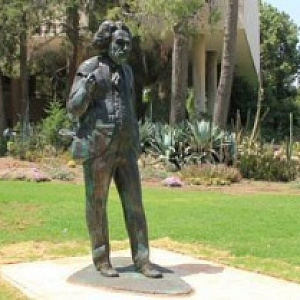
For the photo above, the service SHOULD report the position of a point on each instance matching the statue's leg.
(128, 183)
(97, 175)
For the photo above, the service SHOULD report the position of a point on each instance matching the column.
(199, 65)
(212, 80)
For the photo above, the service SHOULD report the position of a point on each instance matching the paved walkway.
(50, 280)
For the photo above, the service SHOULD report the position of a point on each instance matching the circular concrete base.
(131, 281)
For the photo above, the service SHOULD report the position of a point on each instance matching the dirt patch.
(46, 170)
(243, 187)
(196, 250)
(27, 251)
(9, 162)
(32, 250)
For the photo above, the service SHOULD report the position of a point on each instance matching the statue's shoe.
(107, 270)
(148, 270)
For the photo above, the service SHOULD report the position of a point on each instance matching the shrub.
(27, 147)
(44, 138)
(57, 119)
(260, 162)
(266, 167)
(209, 174)
(187, 143)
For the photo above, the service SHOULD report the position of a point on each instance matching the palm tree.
(228, 61)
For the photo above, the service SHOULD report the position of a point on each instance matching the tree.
(228, 62)
(96, 12)
(14, 30)
(72, 30)
(2, 111)
(24, 71)
(7, 55)
(19, 21)
(280, 60)
(179, 75)
(159, 17)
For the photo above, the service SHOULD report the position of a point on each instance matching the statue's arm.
(79, 97)
(83, 87)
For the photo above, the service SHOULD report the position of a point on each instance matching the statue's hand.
(90, 82)
(96, 76)
(96, 79)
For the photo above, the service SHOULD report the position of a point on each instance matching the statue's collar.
(113, 66)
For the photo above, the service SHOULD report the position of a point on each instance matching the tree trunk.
(24, 80)
(2, 111)
(179, 76)
(228, 62)
(73, 36)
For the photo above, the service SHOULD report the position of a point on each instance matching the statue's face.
(120, 46)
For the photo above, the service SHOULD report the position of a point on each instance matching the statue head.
(114, 40)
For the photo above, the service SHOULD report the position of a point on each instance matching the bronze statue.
(107, 139)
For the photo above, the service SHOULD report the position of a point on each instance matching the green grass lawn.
(256, 232)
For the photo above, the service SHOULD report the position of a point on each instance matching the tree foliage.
(10, 28)
(279, 53)
(166, 12)
(20, 21)
(158, 18)
(280, 60)
(21, 17)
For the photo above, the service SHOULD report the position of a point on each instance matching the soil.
(11, 165)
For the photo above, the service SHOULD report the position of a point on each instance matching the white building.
(207, 50)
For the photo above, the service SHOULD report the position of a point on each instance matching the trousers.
(118, 162)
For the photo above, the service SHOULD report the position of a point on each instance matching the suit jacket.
(102, 108)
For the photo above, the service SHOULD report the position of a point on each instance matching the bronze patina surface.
(101, 103)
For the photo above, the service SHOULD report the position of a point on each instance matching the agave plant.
(210, 144)
(164, 140)
(146, 130)
(187, 143)
(168, 143)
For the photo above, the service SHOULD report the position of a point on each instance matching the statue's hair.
(102, 37)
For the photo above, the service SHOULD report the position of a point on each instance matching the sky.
(291, 7)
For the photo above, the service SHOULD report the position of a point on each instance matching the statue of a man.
(107, 139)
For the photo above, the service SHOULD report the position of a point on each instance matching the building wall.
(248, 29)
(249, 16)
(207, 50)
